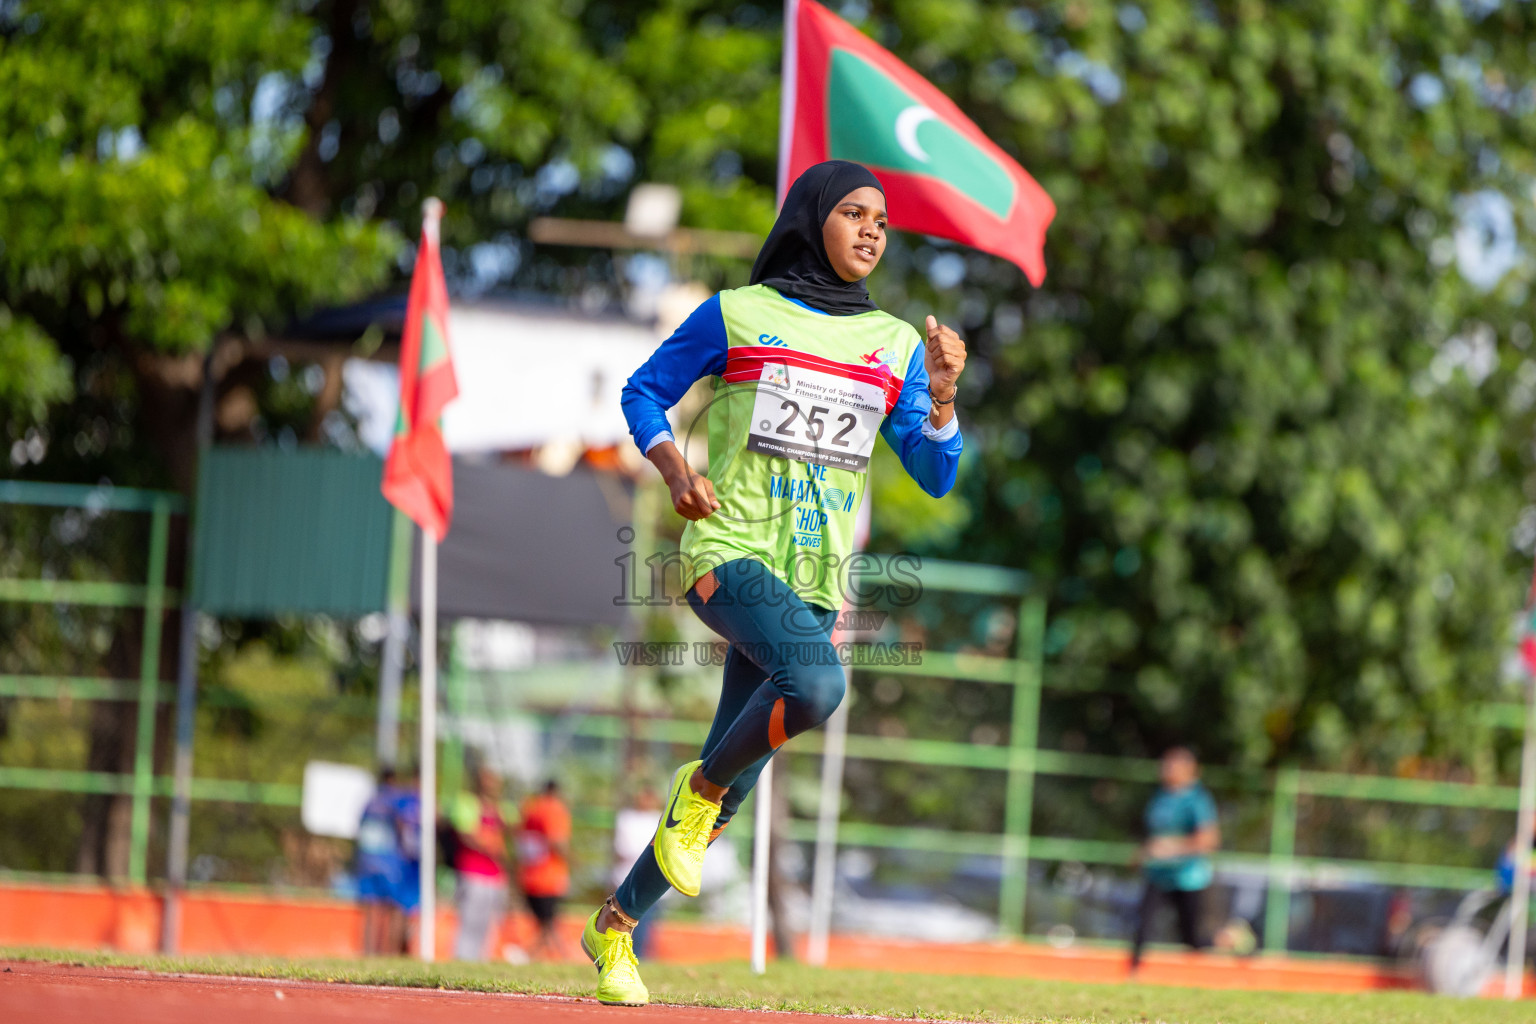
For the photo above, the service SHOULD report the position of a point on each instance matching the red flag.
(1528, 653)
(418, 477)
(847, 98)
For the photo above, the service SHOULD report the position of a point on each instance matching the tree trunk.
(329, 398)
(106, 828)
(106, 819)
(309, 185)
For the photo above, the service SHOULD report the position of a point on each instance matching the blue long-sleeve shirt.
(698, 349)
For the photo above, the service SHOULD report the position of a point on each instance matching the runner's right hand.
(692, 495)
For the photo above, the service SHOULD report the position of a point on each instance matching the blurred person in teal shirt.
(1175, 859)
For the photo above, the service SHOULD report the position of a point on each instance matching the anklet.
(624, 918)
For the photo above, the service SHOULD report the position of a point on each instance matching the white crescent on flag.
(907, 123)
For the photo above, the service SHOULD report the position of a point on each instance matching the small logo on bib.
(776, 375)
(881, 360)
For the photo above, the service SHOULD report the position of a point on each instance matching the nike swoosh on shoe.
(672, 820)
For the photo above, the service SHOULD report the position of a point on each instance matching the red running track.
(32, 993)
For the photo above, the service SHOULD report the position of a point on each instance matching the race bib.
(814, 416)
(375, 837)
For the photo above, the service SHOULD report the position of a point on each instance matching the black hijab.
(793, 260)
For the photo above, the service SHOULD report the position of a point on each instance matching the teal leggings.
(782, 677)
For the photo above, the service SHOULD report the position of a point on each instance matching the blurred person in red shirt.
(543, 859)
(482, 865)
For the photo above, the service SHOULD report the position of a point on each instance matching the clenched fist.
(692, 495)
(944, 358)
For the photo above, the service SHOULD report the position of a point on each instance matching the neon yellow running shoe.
(682, 834)
(618, 972)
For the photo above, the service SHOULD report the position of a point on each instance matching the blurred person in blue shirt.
(1506, 867)
(407, 894)
(387, 863)
(1175, 859)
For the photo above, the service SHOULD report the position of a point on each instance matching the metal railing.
(1020, 760)
(152, 596)
(1280, 865)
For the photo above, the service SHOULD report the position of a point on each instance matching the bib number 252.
(811, 416)
(814, 423)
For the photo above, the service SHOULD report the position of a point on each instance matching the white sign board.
(581, 364)
(334, 798)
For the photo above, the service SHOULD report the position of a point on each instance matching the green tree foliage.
(509, 110)
(1260, 436)
(269, 707)
(134, 220)
(136, 227)
(463, 100)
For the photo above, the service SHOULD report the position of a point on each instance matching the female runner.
(809, 370)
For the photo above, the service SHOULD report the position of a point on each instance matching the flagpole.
(834, 753)
(762, 825)
(787, 86)
(428, 934)
(762, 834)
(432, 215)
(824, 867)
(1525, 824)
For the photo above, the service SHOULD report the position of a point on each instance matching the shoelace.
(698, 822)
(621, 962)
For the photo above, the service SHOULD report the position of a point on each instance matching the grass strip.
(795, 987)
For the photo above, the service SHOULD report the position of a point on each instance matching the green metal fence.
(1021, 762)
(152, 596)
(1281, 866)
(146, 692)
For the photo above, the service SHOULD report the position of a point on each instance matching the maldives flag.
(846, 98)
(418, 478)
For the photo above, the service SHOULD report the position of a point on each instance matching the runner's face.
(854, 233)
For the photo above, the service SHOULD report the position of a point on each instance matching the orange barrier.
(213, 922)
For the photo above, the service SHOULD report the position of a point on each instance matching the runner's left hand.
(943, 357)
